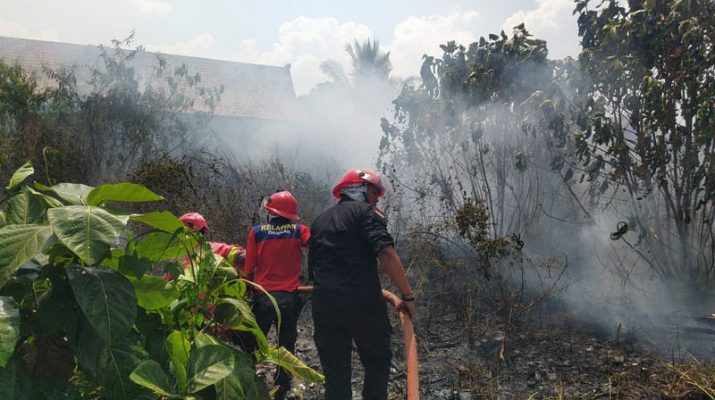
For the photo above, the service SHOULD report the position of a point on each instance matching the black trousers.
(290, 305)
(334, 334)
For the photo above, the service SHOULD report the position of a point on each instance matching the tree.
(467, 138)
(369, 62)
(102, 129)
(356, 103)
(645, 126)
(467, 167)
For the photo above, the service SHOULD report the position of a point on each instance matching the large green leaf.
(123, 192)
(159, 246)
(108, 365)
(242, 383)
(232, 388)
(116, 255)
(20, 175)
(154, 341)
(150, 375)
(244, 320)
(204, 339)
(25, 208)
(243, 312)
(49, 200)
(89, 348)
(208, 365)
(154, 293)
(106, 298)
(9, 328)
(180, 374)
(162, 220)
(255, 330)
(223, 269)
(235, 289)
(120, 362)
(18, 244)
(102, 362)
(87, 231)
(131, 265)
(284, 358)
(71, 193)
(179, 348)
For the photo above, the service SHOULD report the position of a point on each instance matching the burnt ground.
(548, 356)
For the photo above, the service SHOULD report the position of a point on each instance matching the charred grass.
(551, 355)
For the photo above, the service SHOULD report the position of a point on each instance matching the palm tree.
(369, 62)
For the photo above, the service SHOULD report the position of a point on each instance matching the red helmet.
(356, 176)
(194, 221)
(284, 204)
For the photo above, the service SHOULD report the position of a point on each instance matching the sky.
(303, 33)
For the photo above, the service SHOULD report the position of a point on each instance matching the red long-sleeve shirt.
(273, 254)
(233, 253)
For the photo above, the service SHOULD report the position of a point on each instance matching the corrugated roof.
(250, 90)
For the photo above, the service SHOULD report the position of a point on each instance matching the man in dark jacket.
(347, 239)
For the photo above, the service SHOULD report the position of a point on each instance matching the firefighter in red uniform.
(273, 261)
(347, 240)
(233, 253)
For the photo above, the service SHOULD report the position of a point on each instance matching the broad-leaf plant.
(86, 313)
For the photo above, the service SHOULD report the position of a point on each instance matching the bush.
(122, 333)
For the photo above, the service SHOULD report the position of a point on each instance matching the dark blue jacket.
(342, 259)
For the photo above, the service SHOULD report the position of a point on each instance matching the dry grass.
(693, 381)
(478, 380)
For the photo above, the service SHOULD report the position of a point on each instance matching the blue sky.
(302, 33)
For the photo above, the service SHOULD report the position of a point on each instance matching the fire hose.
(413, 382)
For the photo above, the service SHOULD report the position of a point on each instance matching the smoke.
(345, 120)
(334, 127)
(610, 282)
(558, 215)
(458, 150)
(483, 152)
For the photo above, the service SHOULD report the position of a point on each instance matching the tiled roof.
(250, 90)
